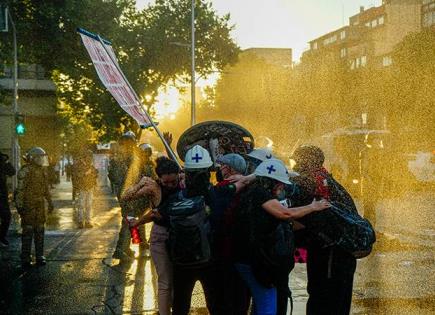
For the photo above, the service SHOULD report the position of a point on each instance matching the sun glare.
(168, 103)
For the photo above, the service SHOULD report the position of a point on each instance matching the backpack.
(189, 230)
(272, 253)
(341, 225)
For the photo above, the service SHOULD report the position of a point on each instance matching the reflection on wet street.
(82, 278)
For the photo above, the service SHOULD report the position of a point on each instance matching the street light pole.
(192, 110)
(15, 144)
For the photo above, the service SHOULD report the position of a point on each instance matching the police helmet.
(37, 156)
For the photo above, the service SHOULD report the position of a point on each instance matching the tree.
(144, 43)
(412, 81)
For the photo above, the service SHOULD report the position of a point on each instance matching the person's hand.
(235, 178)
(318, 205)
(133, 223)
(156, 215)
(168, 137)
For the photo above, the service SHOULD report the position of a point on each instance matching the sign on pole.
(112, 77)
(108, 70)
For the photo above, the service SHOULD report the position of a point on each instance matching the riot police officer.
(31, 194)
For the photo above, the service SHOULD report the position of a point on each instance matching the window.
(315, 45)
(381, 20)
(387, 61)
(343, 52)
(368, 24)
(358, 62)
(363, 61)
(330, 40)
(429, 19)
(342, 34)
(374, 23)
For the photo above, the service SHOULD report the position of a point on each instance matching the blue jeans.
(264, 299)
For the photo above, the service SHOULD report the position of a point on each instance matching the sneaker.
(4, 243)
(41, 261)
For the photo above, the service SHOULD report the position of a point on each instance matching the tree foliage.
(145, 42)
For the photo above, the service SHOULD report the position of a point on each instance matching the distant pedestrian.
(32, 192)
(6, 169)
(85, 181)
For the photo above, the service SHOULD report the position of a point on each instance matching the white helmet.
(275, 169)
(197, 157)
(262, 154)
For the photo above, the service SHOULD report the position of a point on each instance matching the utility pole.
(15, 144)
(193, 109)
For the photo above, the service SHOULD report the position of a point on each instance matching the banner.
(111, 76)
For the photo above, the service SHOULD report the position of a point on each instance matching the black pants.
(233, 295)
(330, 281)
(184, 282)
(5, 217)
(29, 232)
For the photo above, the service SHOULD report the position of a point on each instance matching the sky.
(284, 23)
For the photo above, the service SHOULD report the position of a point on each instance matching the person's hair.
(265, 183)
(164, 166)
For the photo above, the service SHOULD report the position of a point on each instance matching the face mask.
(281, 195)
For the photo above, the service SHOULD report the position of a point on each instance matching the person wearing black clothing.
(6, 169)
(330, 270)
(258, 217)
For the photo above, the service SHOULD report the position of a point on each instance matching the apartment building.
(373, 33)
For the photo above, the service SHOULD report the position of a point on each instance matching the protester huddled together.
(237, 234)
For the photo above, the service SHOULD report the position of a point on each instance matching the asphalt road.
(82, 278)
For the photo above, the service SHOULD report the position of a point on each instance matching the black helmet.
(37, 156)
(128, 138)
(308, 156)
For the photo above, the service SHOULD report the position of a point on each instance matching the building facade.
(37, 103)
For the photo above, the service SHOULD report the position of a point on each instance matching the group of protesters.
(233, 225)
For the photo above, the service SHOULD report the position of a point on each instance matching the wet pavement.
(82, 278)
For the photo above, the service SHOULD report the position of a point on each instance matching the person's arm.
(283, 213)
(168, 138)
(48, 197)
(141, 189)
(147, 217)
(241, 181)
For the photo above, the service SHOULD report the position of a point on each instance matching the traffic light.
(20, 126)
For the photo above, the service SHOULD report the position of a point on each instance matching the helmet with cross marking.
(261, 154)
(274, 169)
(197, 158)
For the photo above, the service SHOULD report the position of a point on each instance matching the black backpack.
(189, 230)
(341, 225)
